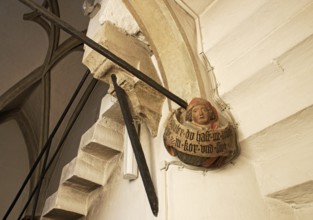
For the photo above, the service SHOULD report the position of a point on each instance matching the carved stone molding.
(137, 54)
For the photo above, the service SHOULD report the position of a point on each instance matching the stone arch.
(177, 61)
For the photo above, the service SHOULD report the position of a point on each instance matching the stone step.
(110, 108)
(91, 169)
(83, 173)
(223, 13)
(104, 139)
(297, 196)
(241, 53)
(66, 203)
(265, 94)
(282, 153)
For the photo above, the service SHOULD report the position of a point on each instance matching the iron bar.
(27, 202)
(103, 51)
(76, 113)
(137, 148)
(47, 145)
(41, 177)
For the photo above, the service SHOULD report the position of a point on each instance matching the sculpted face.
(200, 115)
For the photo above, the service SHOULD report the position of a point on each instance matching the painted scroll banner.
(201, 142)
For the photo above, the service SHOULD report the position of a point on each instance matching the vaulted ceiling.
(40, 69)
(38, 60)
(31, 56)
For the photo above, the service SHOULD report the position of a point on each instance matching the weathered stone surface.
(116, 12)
(176, 60)
(136, 54)
(83, 175)
(58, 206)
(127, 47)
(100, 148)
(110, 108)
(104, 139)
(264, 74)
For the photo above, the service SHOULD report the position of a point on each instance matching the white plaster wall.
(305, 213)
(230, 193)
(262, 62)
(122, 198)
(261, 54)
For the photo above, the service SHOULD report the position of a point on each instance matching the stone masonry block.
(58, 206)
(104, 139)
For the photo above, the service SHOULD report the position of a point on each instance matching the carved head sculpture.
(203, 142)
(201, 112)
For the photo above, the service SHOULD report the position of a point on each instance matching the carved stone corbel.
(145, 101)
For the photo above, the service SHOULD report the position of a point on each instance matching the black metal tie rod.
(67, 130)
(139, 155)
(82, 37)
(47, 144)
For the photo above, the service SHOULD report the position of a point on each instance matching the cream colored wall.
(262, 59)
(261, 55)
(182, 193)
(261, 52)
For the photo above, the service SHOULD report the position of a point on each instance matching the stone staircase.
(262, 61)
(101, 146)
(99, 149)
